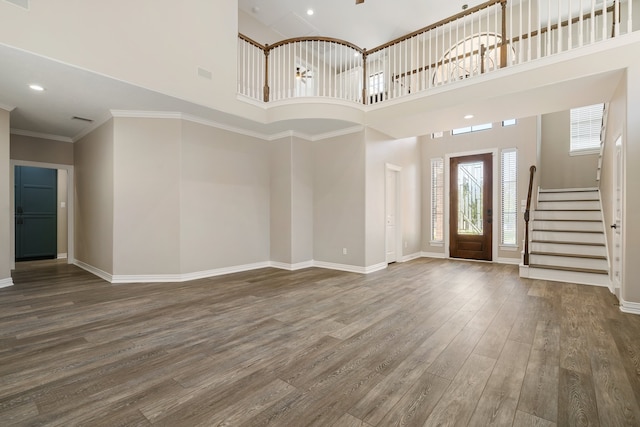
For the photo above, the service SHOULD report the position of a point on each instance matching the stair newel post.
(365, 79)
(532, 171)
(504, 41)
(266, 74)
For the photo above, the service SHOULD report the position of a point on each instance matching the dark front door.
(36, 192)
(471, 207)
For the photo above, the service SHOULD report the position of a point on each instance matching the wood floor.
(429, 342)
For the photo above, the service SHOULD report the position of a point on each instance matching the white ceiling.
(367, 25)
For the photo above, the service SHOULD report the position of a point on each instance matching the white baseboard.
(511, 261)
(5, 283)
(94, 270)
(439, 255)
(411, 257)
(524, 270)
(629, 307)
(351, 268)
(171, 278)
(292, 267)
(62, 255)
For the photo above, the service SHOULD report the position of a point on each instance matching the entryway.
(471, 207)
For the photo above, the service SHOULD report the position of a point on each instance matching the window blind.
(437, 200)
(509, 197)
(586, 123)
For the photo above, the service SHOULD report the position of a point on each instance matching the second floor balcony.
(494, 35)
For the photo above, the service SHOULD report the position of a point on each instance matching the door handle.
(614, 226)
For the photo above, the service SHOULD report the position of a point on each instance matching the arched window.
(473, 56)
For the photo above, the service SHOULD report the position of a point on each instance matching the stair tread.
(568, 190)
(579, 270)
(568, 255)
(567, 243)
(567, 210)
(570, 231)
(567, 220)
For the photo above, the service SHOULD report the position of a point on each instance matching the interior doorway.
(471, 207)
(36, 213)
(65, 210)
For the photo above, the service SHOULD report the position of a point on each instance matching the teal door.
(36, 193)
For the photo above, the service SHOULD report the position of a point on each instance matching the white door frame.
(495, 236)
(70, 206)
(617, 235)
(398, 205)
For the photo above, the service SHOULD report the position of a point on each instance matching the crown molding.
(31, 134)
(6, 107)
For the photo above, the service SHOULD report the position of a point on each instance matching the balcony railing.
(493, 35)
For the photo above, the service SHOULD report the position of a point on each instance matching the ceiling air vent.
(82, 119)
(22, 3)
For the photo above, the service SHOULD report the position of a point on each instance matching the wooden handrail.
(532, 171)
(437, 24)
(316, 39)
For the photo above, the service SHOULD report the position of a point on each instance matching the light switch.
(63, 204)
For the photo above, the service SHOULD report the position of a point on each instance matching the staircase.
(568, 241)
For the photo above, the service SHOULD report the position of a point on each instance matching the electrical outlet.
(344, 251)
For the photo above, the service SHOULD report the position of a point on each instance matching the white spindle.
(616, 17)
(630, 16)
(559, 30)
(604, 20)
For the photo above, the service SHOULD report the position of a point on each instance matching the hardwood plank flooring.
(423, 343)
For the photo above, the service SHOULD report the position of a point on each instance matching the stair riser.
(567, 225)
(558, 236)
(559, 261)
(577, 195)
(569, 249)
(569, 277)
(577, 205)
(573, 215)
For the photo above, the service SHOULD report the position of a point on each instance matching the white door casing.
(393, 231)
(616, 264)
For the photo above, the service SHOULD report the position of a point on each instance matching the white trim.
(351, 268)
(397, 170)
(95, 125)
(436, 243)
(31, 134)
(221, 126)
(292, 267)
(336, 133)
(510, 261)
(439, 255)
(5, 283)
(411, 257)
(523, 270)
(168, 278)
(70, 206)
(6, 107)
(62, 255)
(94, 270)
(587, 152)
(509, 248)
(566, 190)
(629, 307)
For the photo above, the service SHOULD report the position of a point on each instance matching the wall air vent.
(83, 119)
(21, 3)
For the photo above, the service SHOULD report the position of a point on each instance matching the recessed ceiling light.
(469, 116)
(36, 87)
(309, 12)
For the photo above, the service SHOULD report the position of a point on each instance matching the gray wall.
(557, 168)
(5, 207)
(281, 200)
(224, 199)
(41, 150)
(94, 204)
(522, 136)
(146, 220)
(302, 201)
(339, 200)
